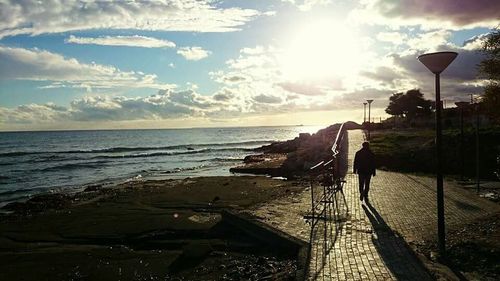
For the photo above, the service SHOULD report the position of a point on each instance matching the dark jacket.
(364, 162)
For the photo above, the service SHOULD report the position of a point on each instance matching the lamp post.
(437, 63)
(476, 110)
(364, 114)
(461, 105)
(369, 118)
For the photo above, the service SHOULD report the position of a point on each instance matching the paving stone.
(362, 241)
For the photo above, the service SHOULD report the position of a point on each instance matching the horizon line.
(180, 128)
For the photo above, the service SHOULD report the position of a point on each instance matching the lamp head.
(437, 62)
(369, 101)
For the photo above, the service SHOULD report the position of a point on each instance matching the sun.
(321, 50)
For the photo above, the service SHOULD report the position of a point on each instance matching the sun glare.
(321, 50)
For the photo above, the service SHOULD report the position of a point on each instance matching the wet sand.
(151, 230)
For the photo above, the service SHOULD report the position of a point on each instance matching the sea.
(68, 161)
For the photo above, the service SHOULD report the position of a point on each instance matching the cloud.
(253, 51)
(306, 5)
(430, 41)
(458, 80)
(267, 99)
(191, 99)
(250, 91)
(224, 95)
(385, 75)
(396, 38)
(122, 108)
(463, 68)
(266, 89)
(129, 41)
(429, 14)
(476, 42)
(234, 79)
(193, 53)
(41, 65)
(302, 88)
(33, 113)
(227, 77)
(162, 105)
(35, 17)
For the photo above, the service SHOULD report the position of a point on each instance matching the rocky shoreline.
(292, 158)
(169, 229)
(144, 230)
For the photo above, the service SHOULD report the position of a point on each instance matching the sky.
(121, 64)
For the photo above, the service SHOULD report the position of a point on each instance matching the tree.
(489, 68)
(409, 105)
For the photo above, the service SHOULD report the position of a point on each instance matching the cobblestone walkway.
(370, 241)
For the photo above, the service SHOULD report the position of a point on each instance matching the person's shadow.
(393, 249)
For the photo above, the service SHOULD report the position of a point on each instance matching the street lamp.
(476, 111)
(364, 114)
(437, 63)
(369, 117)
(462, 105)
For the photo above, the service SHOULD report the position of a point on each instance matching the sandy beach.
(143, 230)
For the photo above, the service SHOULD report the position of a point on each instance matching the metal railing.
(326, 182)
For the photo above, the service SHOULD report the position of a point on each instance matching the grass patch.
(413, 150)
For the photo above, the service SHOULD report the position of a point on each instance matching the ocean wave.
(170, 153)
(219, 159)
(16, 191)
(138, 148)
(180, 170)
(154, 154)
(72, 166)
(18, 153)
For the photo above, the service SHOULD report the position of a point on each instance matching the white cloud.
(37, 17)
(266, 89)
(253, 51)
(475, 43)
(396, 38)
(130, 41)
(163, 105)
(193, 53)
(306, 5)
(308, 89)
(41, 65)
(254, 85)
(33, 113)
(430, 41)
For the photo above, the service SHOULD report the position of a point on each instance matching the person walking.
(364, 166)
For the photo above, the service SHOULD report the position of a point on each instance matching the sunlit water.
(35, 162)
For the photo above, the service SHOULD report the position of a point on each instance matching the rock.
(293, 157)
(40, 203)
(92, 188)
(254, 158)
(304, 136)
(14, 206)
